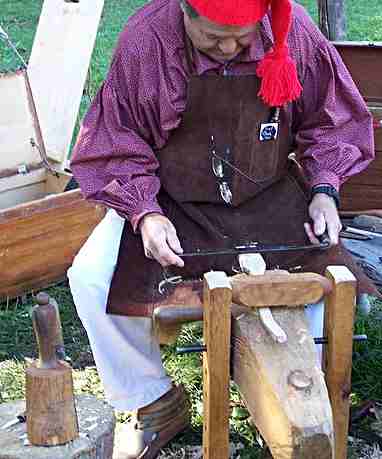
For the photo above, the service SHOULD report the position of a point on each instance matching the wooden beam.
(339, 319)
(217, 298)
(278, 289)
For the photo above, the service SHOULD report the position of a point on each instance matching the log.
(96, 426)
(283, 385)
(332, 19)
(217, 299)
(323, 17)
(51, 414)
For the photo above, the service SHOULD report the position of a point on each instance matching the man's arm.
(334, 134)
(113, 159)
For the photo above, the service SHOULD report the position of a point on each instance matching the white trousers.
(125, 349)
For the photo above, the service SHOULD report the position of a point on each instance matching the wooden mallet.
(50, 409)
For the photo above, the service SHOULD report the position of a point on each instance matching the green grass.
(19, 18)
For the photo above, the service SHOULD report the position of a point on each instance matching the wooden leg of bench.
(339, 320)
(217, 297)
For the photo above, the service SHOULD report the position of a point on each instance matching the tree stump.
(96, 433)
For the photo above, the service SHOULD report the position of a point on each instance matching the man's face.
(220, 42)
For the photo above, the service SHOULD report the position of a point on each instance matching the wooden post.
(332, 19)
(217, 297)
(339, 319)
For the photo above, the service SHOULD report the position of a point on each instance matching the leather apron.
(215, 154)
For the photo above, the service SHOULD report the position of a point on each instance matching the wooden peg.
(51, 414)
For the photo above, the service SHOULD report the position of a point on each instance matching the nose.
(228, 46)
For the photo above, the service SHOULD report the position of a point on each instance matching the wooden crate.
(41, 226)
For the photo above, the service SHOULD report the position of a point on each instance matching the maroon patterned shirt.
(144, 95)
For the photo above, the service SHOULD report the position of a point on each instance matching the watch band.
(329, 190)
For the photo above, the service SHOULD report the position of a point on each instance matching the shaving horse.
(255, 332)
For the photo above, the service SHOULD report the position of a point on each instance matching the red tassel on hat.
(277, 70)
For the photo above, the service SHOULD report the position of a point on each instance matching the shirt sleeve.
(332, 125)
(113, 159)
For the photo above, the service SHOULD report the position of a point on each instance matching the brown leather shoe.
(154, 425)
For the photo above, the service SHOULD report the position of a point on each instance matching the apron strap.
(189, 55)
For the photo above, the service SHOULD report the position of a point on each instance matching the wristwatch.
(326, 189)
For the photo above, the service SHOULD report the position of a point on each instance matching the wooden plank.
(19, 189)
(364, 190)
(16, 123)
(217, 298)
(278, 289)
(28, 209)
(339, 319)
(283, 386)
(58, 67)
(364, 62)
(53, 230)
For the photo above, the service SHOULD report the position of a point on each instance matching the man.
(217, 93)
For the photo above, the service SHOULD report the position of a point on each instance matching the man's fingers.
(163, 254)
(319, 223)
(333, 227)
(310, 233)
(166, 257)
(161, 250)
(324, 214)
(173, 241)
(160, 241)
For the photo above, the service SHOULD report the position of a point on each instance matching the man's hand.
(324, 215)
(160, 240)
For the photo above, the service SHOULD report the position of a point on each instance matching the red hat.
(280, 82)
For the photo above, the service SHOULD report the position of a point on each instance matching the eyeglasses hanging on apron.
(222, 166)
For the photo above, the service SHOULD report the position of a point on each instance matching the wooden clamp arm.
(274, 289)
